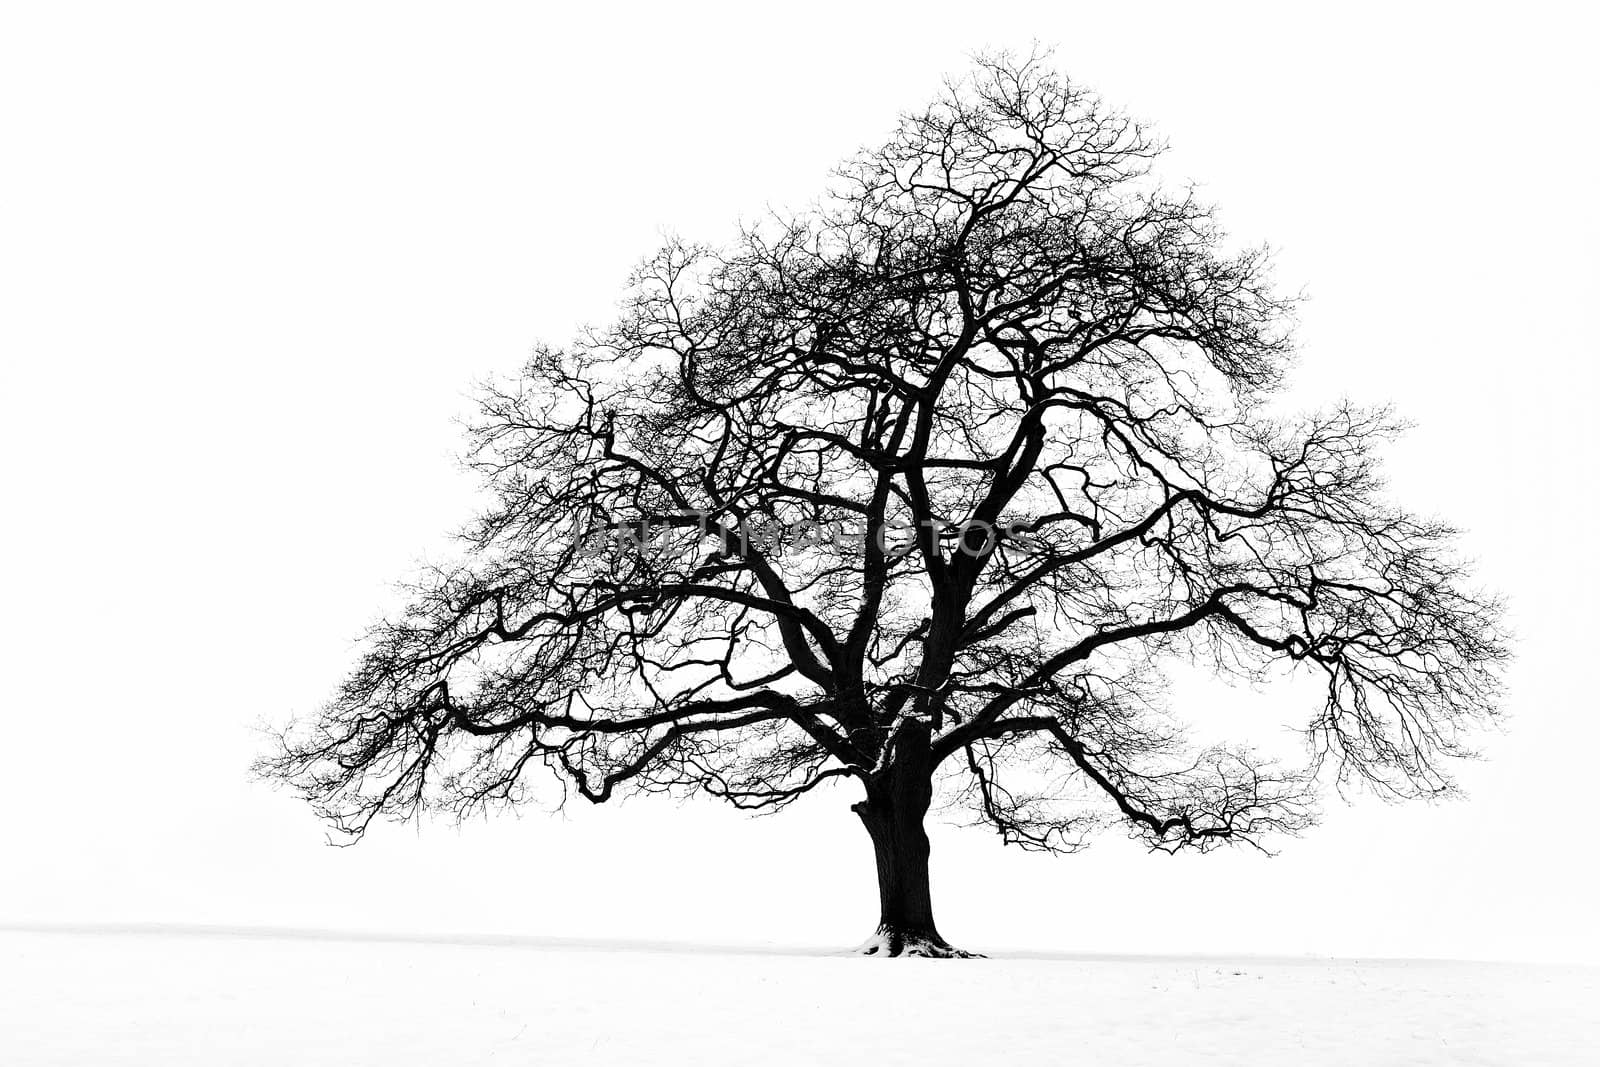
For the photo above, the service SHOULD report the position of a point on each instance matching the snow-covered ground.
(172, 998)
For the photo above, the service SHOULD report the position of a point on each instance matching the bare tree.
(920, 487)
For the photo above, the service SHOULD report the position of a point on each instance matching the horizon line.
(272, 932)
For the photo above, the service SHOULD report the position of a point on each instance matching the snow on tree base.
(900, 943)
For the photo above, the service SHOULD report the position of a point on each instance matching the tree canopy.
(924, 483)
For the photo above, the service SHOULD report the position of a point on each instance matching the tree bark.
(893, 814)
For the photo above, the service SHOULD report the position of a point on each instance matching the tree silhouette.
(921, 486)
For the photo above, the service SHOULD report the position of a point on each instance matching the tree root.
(892, 943)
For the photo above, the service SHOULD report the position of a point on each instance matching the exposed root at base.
(895, 943)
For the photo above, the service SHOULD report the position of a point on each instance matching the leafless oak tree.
(919, 487)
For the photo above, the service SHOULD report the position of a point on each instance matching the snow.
(172, 997)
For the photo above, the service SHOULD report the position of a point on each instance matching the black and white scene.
(855, 534)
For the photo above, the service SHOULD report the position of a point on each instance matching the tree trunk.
(893, 815)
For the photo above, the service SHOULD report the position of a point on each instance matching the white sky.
(253, 261)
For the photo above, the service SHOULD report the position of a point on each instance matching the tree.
(922, 486)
